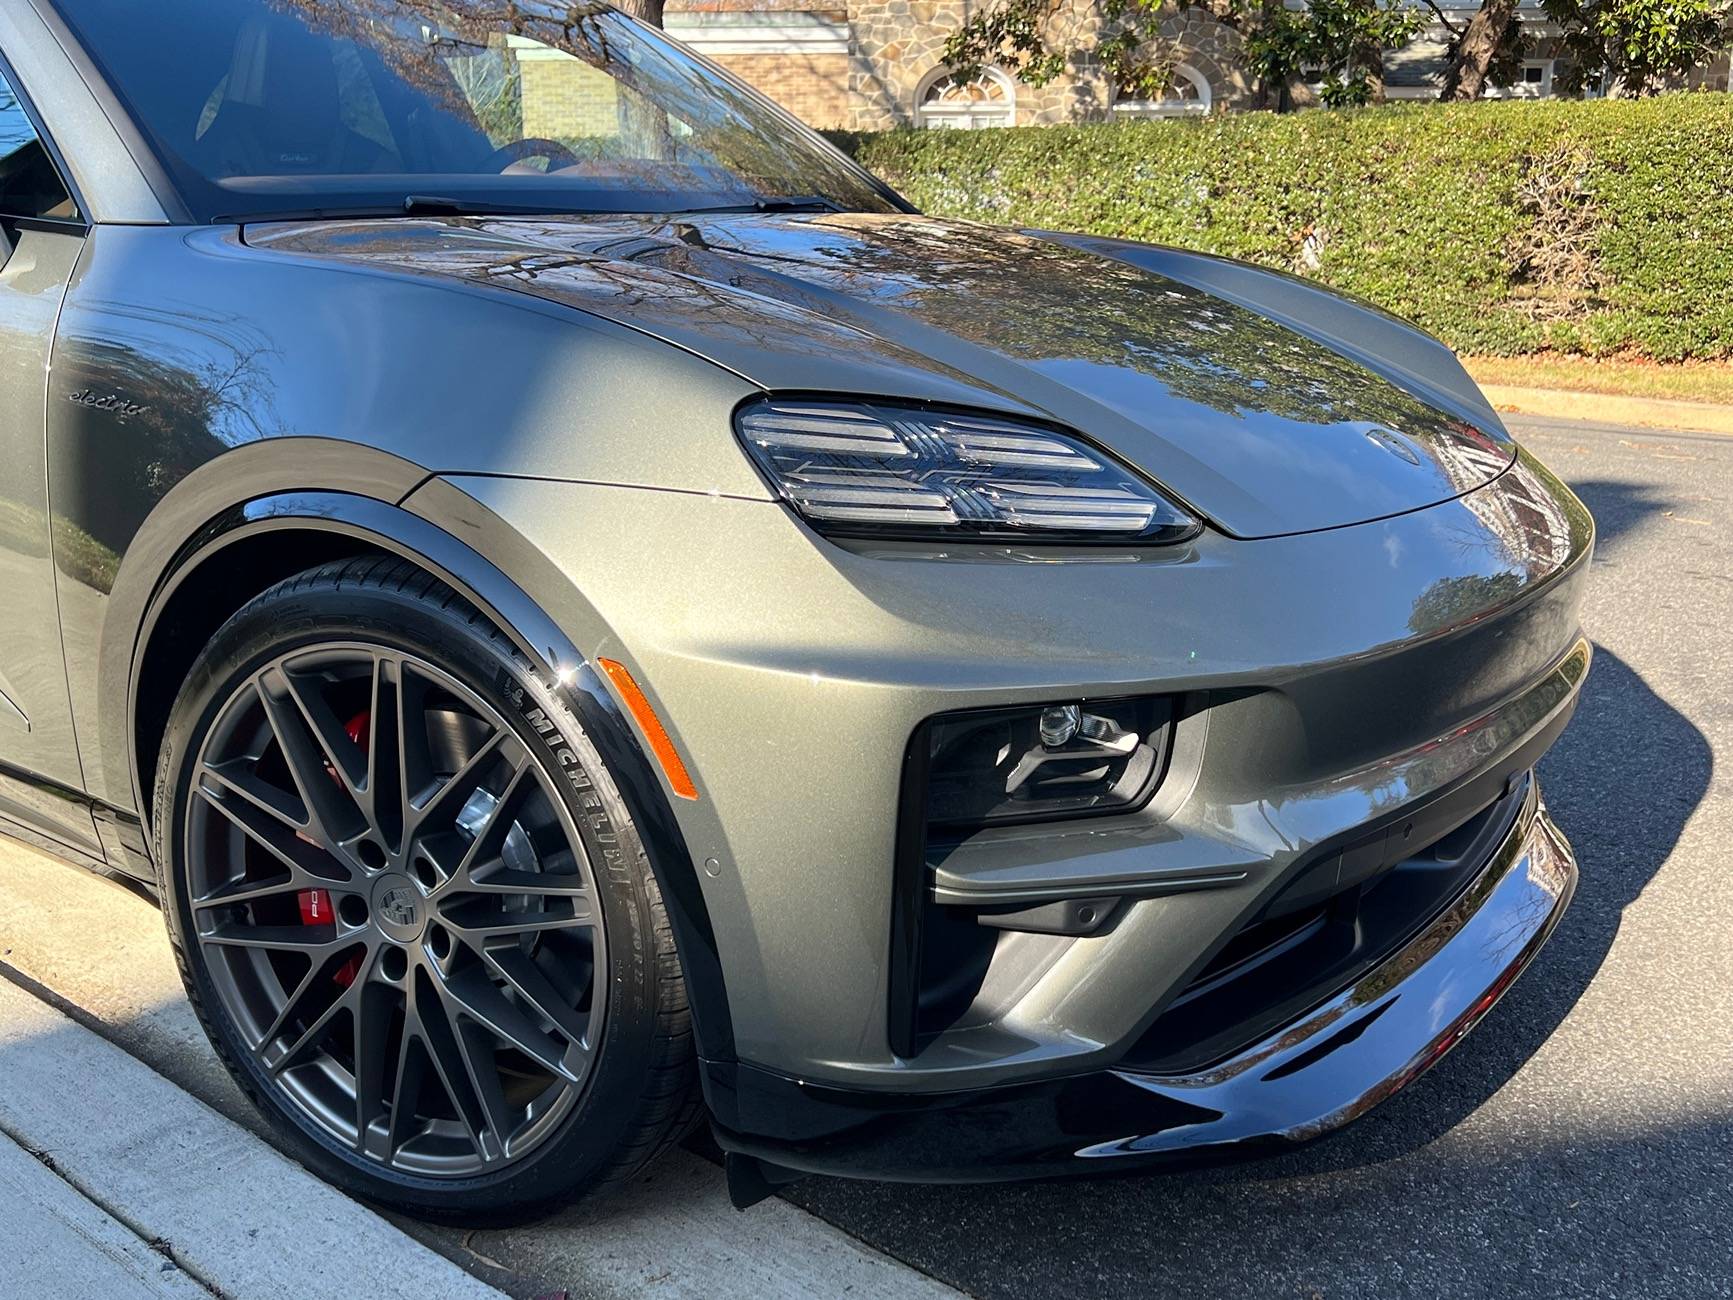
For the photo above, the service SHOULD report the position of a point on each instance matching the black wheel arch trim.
(189, 516)
(387, 526)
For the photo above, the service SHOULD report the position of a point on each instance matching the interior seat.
(281, 111)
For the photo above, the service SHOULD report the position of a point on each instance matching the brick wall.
(814, 87)
(564, 98)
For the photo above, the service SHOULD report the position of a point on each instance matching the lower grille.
(1302, 948)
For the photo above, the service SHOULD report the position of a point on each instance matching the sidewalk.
(58, 1243)
(1604, 408)
(115, 1183)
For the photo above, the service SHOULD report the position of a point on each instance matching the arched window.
(1187, 93)
(944, 101)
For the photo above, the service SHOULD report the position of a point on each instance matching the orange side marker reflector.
(669, 757)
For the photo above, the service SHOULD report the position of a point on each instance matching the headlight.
(878, 470)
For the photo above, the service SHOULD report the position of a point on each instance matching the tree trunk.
(1296, 94)
(1465, 78)
(1366, 59)
(1268, 92)
(648, 10)
(1369, 61)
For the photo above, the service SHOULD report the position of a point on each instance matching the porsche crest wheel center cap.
(398, 908)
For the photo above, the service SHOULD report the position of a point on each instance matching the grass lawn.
(1687, 381)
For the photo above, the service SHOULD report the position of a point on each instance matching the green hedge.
(1597, 227)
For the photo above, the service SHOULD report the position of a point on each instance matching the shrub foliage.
(1506, 227)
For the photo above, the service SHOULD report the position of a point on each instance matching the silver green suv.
(594, 616)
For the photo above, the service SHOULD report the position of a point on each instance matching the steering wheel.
(515, 151)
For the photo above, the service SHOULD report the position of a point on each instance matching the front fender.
(420, 537)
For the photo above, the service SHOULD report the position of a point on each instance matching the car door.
(41, 236)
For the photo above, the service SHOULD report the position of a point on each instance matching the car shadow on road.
(1619, 507)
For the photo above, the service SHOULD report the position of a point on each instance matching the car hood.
(1267, 405)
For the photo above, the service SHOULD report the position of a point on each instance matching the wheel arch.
(255, 542)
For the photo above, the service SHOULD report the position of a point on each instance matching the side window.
(30, 186)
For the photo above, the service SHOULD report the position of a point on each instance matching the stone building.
(872, 64)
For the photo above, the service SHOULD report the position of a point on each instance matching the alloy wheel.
(396, 910)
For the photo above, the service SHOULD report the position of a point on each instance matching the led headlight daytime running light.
(876, 469)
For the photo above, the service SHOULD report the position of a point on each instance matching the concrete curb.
(225, 1207)
(57, 1243)
(1602, 408)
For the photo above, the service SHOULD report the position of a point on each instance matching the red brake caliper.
(315, 904)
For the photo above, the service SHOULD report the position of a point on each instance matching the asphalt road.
(1580, 1142)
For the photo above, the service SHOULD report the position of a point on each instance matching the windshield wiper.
(793, 203)
(437, 205)
(802, 203)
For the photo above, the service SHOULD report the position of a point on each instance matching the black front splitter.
(1305, 1080)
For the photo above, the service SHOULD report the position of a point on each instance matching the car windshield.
(273, 108)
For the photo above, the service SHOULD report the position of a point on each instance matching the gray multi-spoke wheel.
(395, 908)
(383, 890)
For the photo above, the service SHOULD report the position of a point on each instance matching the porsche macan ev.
(593, 616)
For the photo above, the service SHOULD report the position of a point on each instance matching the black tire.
(638, 1093)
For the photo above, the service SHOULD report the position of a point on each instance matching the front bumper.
(1298, 1082)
